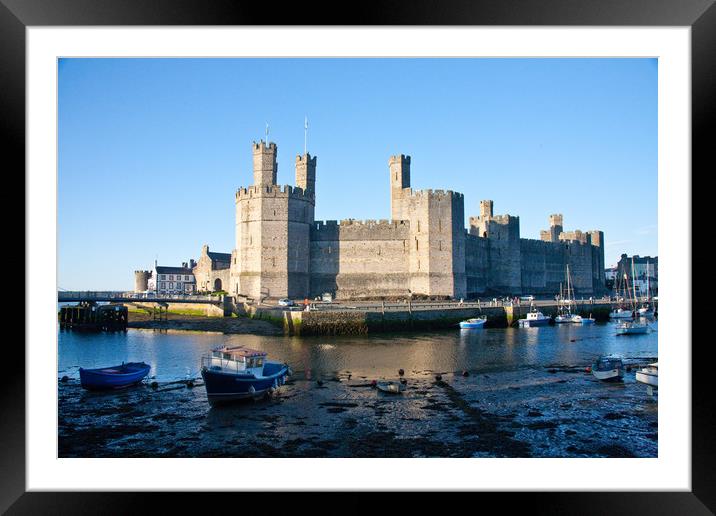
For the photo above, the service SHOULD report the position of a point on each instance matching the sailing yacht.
(632, 327)
(565, 313)
(621, 312)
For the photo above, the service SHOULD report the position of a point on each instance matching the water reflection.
(171, 354)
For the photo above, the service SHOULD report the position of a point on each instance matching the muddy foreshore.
(531, 412)
(229, 325)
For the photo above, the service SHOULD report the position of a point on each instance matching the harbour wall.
(352, 322)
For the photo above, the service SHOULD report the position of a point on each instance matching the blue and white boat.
(234, 373)
(471, 324)
(114, 377)
(534, 318)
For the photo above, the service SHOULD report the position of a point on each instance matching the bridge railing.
(65, 295)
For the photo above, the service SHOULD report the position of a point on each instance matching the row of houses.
(209, 274)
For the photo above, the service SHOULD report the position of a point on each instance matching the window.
(171, 277)
(161, 276)
(186, 278)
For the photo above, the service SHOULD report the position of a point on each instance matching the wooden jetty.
(93, 317)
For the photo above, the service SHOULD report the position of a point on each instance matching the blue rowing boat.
(115, 377)
(234, 373)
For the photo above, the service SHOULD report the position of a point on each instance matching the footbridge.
(66, 296)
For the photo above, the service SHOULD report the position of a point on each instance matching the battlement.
(556, 219)
(433, 194)
(253, 191)
(352, 229)
(399, 158)
(261, 146)
(307, 158)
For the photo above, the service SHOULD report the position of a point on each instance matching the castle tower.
(273, 223)
(486, 209)
(306, 172)
(555, 226)
(141, 280)
(265, 166)
(399, 180)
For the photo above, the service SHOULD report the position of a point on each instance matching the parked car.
(527, 298)
(327, 297)
(285, 302)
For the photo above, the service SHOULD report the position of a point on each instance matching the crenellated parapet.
(287, 191)
(351, 229)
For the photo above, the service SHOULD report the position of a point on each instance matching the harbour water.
(505, 392)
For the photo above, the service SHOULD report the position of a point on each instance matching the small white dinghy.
(649, 376)
(391, 387)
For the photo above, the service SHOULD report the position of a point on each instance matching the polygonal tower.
(273, 222)
(399, 180)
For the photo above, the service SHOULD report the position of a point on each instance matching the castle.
(425, 249)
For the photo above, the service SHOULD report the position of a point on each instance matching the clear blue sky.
(151, 151)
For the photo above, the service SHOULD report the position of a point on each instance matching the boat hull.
(117, 377)
(638, 330)
(614, 375)
(622, 315)
(222, 386)
(471, 325)
(648, 378)
(532, 323)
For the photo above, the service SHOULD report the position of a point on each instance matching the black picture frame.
(700, 15)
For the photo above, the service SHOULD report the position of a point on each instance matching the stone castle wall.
(423, 250)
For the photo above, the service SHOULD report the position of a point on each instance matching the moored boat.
(471, 324)
(608, 368)
(234, 373)
(578, 319)
(391, 387)
(621, 313)
(632, 327)
(649, 375)
(115, 377)
(534, 318)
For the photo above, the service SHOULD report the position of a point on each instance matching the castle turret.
(399, 180)
(265, 166)
(556, 226)
(306, 173)
(486, 209)
(141, 280)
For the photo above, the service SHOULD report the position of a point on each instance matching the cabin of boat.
(608, 368)
(237, 359)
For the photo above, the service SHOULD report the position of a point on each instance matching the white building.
(173, 280)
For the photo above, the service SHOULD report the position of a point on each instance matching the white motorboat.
(632, 328)
(534, 318)
(578, 319)
(649, 375)
(608, 368)
(621, 313)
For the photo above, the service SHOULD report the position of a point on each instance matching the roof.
(162, 269)
(220, 257)
(241, 351)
